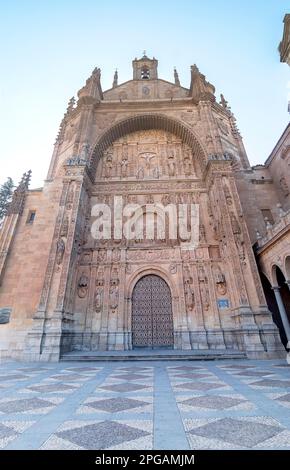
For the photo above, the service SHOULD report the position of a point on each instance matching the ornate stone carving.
(203, 286)
(188, 289)
(83, 285)
(108, 164)
(149, 199)
(116, 255)
(220, 281)
(284, 185)
(173, 268)
(102, 256)
(140, 173)
(114, 277)
(238, 236)
(189, 296)
(70, 197)
(64, 227)
(202, 234)
(99, 295)
(228, 195)
(170, 163)
(124, 167)
(18, 198)
(114, 297)
(60, 248)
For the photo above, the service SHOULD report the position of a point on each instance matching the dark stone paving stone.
(141, 370)
(68, 377)
(5, 431)
(193, 376)
(83, 369)
(124, 387)
(237, 366)
(272, 383)
(199, 386)
(31, 369)
(214, 402)
(25, 404)
(5, 378)
(102, 435)
(51, 388)
(284, 398)
(131, 377)
(114, 405)
(241, 433)
(252, 373)
(185, 368)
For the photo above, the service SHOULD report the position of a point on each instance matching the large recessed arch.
(147, 122)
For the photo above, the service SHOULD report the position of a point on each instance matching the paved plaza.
(237, 404)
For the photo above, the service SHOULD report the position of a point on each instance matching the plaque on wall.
(223, 303)
(5, 315)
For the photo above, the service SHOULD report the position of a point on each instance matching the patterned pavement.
(237, 404)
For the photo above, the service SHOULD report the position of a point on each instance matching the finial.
(224, 102)
(176, 77)
(115, 82)
(25, 180)
(144, 53)
(70, 105)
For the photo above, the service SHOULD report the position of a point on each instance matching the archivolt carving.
(147, 122)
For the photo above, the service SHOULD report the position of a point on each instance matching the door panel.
(152, 320)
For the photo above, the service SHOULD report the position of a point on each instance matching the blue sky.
(49, 48)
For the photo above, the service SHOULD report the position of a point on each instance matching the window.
(31, 217)
(267, 215)
(145, 73)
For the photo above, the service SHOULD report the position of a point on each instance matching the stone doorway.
(152, 319)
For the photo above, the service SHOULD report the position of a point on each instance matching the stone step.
(151, 355)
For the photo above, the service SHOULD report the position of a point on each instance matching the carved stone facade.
(284, 46)
(150, 142)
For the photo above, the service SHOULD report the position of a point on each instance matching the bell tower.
(145, 68)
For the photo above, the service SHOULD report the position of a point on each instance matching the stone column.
(282, 311)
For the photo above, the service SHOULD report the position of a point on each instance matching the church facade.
(147, 143)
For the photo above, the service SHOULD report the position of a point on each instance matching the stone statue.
(220, 281)
(60, 247)
(114, 297)
(85, 151)
(187, 163)
(140, 173)
(124, 167)
(189, 296)
(171, 163)
(108, 165)
(99, 299)
(204, 292)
